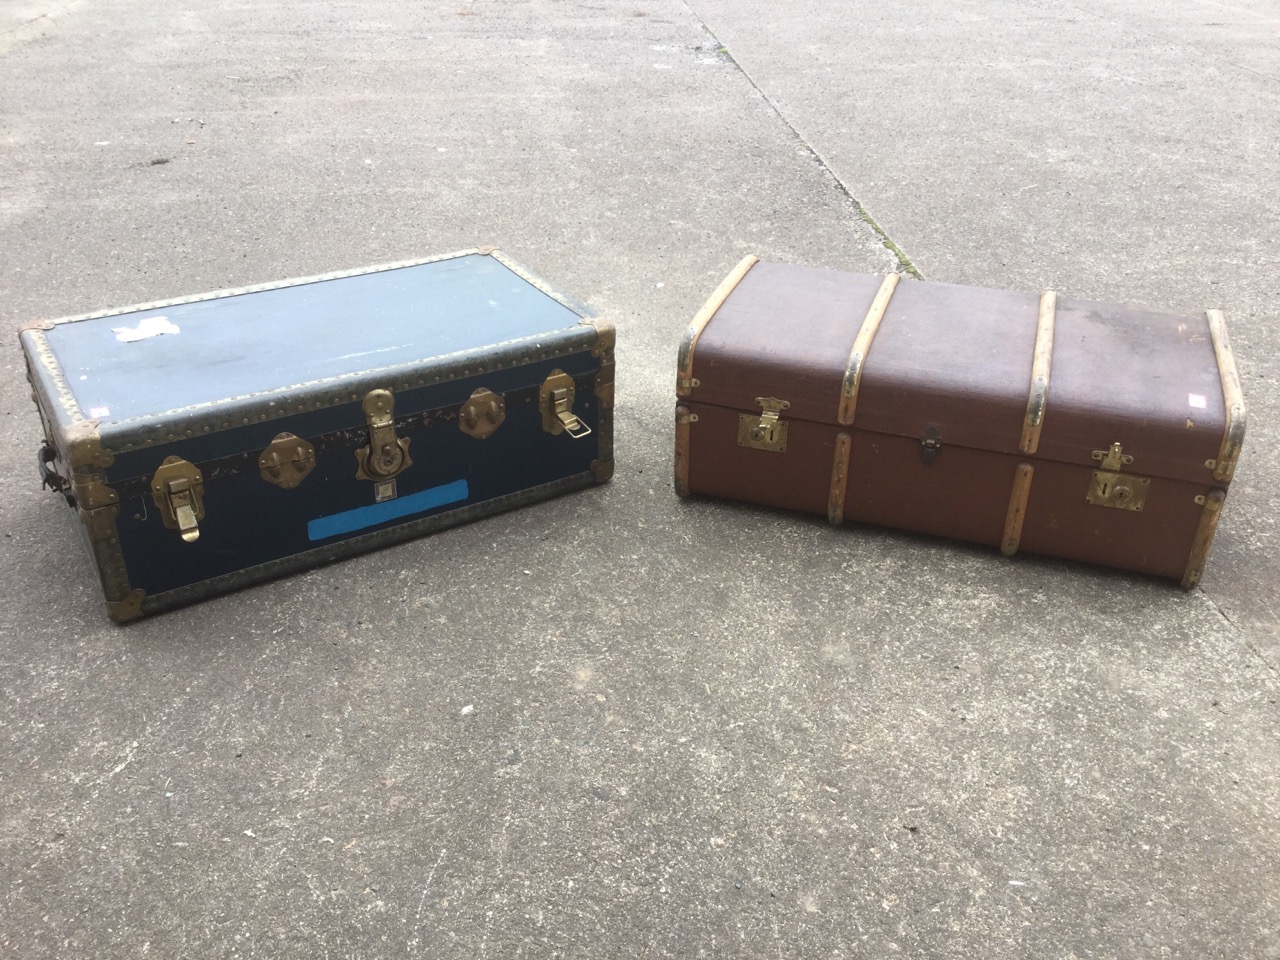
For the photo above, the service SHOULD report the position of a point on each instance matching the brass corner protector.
(84, 447)
(1210, 511)
(1017, 512)
(602, 470)
(1232, 399)
(128, 608)
(606, 337)
(486, 249)
(861, 347)
(1041, 364)
(34, 325)
(684, 359)
(839, 479)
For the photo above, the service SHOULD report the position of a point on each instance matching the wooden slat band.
(861, 346)
(1017, 512)
(1041, 363)
(684, 361)
(1205, 530)
(683, 419)
(1232, 399)
(839, 478)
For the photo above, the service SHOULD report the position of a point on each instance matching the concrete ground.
(621, 724)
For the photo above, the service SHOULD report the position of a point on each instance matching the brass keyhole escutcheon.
(1109, 487)
(387, 455)
(482, 414)
(767, 431)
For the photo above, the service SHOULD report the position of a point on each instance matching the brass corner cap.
(602, 470)
(84, 446)
(34, 325)
(129, 608)
(485, 249)
(606, 332)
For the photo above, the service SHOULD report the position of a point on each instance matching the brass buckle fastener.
(178, 490)
(556, 401)
(387, 455)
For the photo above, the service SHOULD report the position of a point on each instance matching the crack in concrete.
(1244, 637)
(864, 215)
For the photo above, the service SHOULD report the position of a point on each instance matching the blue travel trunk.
(215, 441)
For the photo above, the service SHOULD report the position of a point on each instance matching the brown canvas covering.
(1090, 431)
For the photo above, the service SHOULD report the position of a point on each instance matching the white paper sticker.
(97, 413)
(1196, 400)
(150, 327)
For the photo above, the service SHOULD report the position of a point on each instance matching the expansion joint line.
(864, 215)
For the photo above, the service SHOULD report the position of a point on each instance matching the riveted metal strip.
(861, 346)
(1211, 510)
(1232, 400)
(231, 412)
(42, 354)
(684, 360)
(606, 337)
(839, 479)
(1041, 363)
(1017, 511)
(259, 287)
(362, 544)
(535, 281)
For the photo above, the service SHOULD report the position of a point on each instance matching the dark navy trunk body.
(215, 379)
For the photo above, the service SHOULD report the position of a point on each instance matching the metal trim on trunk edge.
(839, 478)
(1208, 526)
(606, 340)
(681, 466)
(1017, 512)
(1041, 364)
(861, 347)
(257, 288)
(684, 360)
(1232, 399)
(359, 545)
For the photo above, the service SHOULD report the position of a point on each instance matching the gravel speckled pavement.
(620, 724)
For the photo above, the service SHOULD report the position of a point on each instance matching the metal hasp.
(1111, 488)
(765, 432)
(482, 414)
(178, 490)
(386, 456)
(287, 461)
(930, 444)
(556, 400)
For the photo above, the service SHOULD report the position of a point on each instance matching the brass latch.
(178, 490)
(1110, 488)
(386, 455)
(482, 414)
(556, 401)
(287, 461)
(765, 432)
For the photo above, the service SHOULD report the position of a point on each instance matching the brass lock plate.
(1122, 491)
(287, 461)
(767, 431)
(178, 491)
(1110, 488)
(555, 399)
(482, 414)
(387, 455)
